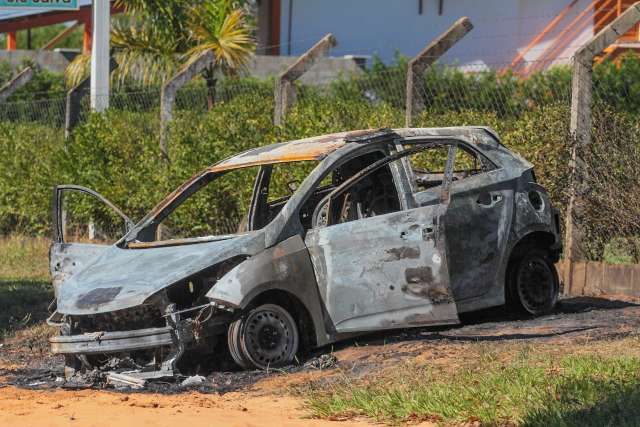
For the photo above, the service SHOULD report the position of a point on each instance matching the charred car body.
(390, 229)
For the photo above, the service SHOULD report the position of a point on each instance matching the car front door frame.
(58, 231)
(413, 315)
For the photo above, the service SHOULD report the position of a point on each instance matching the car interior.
(374, 195)
(428, 166)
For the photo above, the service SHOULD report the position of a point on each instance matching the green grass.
(531, 389)
(622, 251)
(25, 288)
(24, 258)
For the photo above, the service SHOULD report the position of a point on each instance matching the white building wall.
(382, 27)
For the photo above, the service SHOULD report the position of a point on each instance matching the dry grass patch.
(24, 258)
(27, 344)
(25, 289)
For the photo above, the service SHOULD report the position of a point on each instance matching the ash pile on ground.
(578, 318)
(214, 382)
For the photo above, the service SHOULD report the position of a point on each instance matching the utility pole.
(101, 11)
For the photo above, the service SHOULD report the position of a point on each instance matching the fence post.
(74, 98)
(73, 107)
(427, 56)
(285, 91)
(170, 89)
(15, 83)
(581, 87)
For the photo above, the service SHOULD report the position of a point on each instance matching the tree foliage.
(154, 39)
(42, 35)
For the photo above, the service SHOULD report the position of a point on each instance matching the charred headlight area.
(154, 336)
(140, 317)
(191, 292)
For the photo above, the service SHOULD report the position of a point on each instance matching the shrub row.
(502, 92)
(117, 154)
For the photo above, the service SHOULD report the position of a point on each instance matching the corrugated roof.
(7, 14)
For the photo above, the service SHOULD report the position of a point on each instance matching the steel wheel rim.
(268, 338)
(234, 341)
(536, 285)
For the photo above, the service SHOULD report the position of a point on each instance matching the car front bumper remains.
(175, 336)
(112, 342)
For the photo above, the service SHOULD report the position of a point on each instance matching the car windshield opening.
(225, 203)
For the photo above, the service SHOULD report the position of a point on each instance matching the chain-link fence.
(531, 114)
(443, 89)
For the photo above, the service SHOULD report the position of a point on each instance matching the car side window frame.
(259, 196)
(388, 161)
(418, 194)
(311, 186)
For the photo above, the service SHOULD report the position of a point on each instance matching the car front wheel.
(533, 283)
(265, 337)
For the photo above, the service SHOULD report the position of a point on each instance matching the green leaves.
(156, 38)
(77, 70)
(216, 26)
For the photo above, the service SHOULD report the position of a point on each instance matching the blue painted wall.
(382, 27)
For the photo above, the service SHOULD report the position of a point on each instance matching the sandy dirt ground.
(31, 393)
(21, 407)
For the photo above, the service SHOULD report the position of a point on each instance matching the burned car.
(386, 229)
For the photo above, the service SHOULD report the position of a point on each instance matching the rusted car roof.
(318, 147)
(315, 148)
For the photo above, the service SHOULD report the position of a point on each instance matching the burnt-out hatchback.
(335, 235)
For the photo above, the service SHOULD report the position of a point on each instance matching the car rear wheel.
(533, 283)
(267, 336)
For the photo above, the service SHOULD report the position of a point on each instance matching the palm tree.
(155, 38)
(225, 32)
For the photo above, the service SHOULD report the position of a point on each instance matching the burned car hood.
(122, 278)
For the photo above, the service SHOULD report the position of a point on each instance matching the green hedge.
(117, 154)
(28, 169)
(447, 88)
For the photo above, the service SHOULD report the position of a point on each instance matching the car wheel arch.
(269, 294)
(537, 237)
(534, 239)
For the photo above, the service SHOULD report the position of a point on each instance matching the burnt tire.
(532, 282)
(265, 337)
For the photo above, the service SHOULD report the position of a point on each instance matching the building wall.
(323, 72)
(262, 32)
(50, 60)
(382, 27)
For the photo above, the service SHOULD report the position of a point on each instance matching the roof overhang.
(22, 20)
